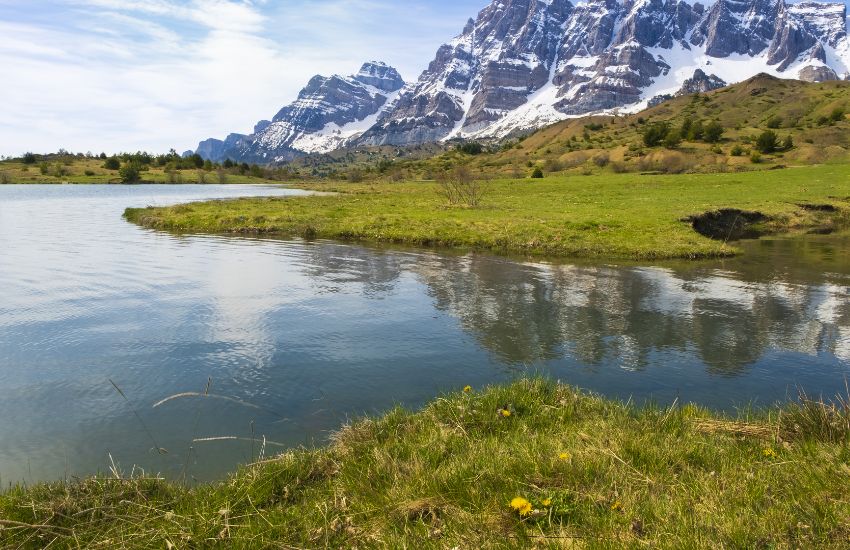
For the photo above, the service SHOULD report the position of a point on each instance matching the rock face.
(817, 73)
(522, 64)
(328, 111)
(701, 83)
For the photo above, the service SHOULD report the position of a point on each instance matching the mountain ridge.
(524, 64)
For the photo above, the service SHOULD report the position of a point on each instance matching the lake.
(116, 341)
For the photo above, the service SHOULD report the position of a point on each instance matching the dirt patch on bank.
(729, 224)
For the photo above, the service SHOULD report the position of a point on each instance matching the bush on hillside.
(713, 132)
(537, 174)
(673, 139)
(654, 134)
(774, 122)
(767, 142)
(471, 148)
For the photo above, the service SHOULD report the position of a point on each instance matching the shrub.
(59, 171)
(202, 176)
(44, 168)
(774, 122)
(4, 178)
(674, 163)
(687, 124)
(355, 176)
(129, 173)
(537, 174)
(695, 132)
(619, 167)
(767, 142)
(755, 157)
(601, 160)
(654, 134)
(89, 173)
(459, 187)
(112, 163)
(837, 114)
(471, 148)
(822, 120)
(554, 165)
(713, 132)
(30, 158)
(788, 143)
(673, 139)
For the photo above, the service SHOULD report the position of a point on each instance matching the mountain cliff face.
(523, 64)
(328, 111)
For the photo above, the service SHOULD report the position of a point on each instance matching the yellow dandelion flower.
(522, 506)
(467, 389)
(565, 456)
(505, 412)
(617, 506)
(547, 502)
(769, 453)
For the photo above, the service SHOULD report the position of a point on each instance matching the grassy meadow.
(529, 465)
(605, 215)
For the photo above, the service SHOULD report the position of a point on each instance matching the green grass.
(598, 474)
(615, 215)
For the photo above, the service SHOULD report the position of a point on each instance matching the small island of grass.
(606, 215)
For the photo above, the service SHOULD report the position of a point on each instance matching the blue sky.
(120, 75)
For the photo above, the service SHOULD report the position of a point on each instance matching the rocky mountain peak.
(380, 75)
(327, 112)
(522, 64)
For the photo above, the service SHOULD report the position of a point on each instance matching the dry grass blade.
(234, 438)
(159, 449)
(192, 394)
(740, 429)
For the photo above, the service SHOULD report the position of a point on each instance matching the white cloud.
(153, 74)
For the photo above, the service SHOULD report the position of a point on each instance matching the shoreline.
(585, 468)
(622, 217)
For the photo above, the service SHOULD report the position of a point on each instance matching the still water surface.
(296, 337)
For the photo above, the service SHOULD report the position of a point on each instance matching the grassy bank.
(64, 170)
(590, 473)
(607, 215)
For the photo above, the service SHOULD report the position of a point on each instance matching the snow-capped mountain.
(328, 112)
(523, 64)
(526, 63)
